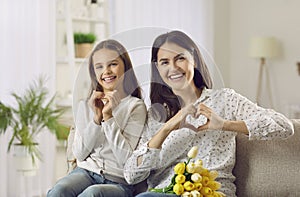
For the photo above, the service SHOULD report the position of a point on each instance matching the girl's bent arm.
(123, 136)
(86, 132)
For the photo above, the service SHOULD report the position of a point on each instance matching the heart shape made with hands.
(104, 100)
(196, 121)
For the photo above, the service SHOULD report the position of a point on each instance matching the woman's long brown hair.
(160, 92)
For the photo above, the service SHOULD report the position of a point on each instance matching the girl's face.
(109, 69)
(176, 66)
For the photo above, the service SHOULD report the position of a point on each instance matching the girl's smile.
(109, 79)
(109, 68)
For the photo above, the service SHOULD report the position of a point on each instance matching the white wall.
(278, 18)
(193, 16)
(224, 28)
(221, 38)
(136, 23)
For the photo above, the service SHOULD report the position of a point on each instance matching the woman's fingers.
(214, 122)
(189, 109)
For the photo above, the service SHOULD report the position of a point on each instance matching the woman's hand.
(112, 100)
(177, 121)
(97, 105)
(214, 122)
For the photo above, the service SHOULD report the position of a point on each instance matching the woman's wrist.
(237, 126)
(98, 120)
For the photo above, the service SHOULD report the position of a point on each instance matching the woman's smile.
(176, 66)
(176, 77)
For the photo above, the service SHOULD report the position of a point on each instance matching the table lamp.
(262, 48)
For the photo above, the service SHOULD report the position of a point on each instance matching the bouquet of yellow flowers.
(191, 179)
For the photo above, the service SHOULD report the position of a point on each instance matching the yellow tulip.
(178, 189)
(199, 169)
(206, 191)
(179, 168)
(219, 194)
(214, 185)
(199, 162)
(198, 186)
(193, 152)
(213, 175)
(189, 186)
(180, 178)
(195, 193)
(196, 178)
(186, 194)
(205, 172)
(205, 180)
(190, 168)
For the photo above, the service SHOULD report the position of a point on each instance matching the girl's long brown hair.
(130, 82)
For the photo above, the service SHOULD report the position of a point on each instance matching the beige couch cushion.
(268, 168)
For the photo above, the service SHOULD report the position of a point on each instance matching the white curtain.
(27, 49)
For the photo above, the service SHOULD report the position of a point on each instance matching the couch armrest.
(268, 168)
(70, 157)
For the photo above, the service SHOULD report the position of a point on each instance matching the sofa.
(266, 168)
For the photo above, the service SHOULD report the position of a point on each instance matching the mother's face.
(175, 66)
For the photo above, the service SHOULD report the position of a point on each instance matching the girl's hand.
(97, 105)
(214, 122)
(112, 100)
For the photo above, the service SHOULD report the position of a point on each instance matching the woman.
(108, 127)
(186, 112)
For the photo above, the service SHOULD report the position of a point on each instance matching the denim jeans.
(154, 194)
(81, 182)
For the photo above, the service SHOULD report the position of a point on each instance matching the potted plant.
(83, 43)
(35, 112)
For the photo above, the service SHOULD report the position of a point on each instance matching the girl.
(108, 126)
(186, 112)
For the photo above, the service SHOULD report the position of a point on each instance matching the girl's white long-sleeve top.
(105, 148)
(216, 147)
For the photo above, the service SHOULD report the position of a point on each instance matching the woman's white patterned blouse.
(216, 148)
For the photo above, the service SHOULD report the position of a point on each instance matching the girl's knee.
(60, 190)
(103, 190)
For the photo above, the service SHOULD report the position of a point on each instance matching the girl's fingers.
(97, 95)
(113, 98)
(95, 100)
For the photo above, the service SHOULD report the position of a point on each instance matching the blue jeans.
(81, 182)
(154, 194)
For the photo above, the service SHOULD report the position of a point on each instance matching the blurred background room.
(252, 45)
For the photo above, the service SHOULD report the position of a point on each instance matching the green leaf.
(34, 110)
(80, 38)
